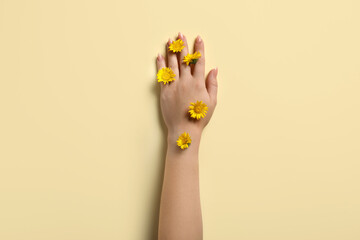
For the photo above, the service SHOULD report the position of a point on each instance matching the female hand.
(190, 85)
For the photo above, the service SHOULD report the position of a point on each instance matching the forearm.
(180, 211)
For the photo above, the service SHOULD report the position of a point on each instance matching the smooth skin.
(180, 210)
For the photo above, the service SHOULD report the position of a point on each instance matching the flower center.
(166, 76)
(198, 109)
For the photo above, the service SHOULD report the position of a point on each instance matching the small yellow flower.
(198, 110)
(192, 58)
(184, 140)
(176, 46)
(165, 75)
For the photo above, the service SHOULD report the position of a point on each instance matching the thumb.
(212, 84)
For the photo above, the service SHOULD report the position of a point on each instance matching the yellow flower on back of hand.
(165, 75)
(192, 58)
(184, 140)
(198, 110)
(176, 46)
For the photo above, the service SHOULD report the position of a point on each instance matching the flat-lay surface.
(81, 137)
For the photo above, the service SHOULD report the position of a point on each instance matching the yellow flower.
(192, 58)
(165, 75)
(198, 110)
(184, 140)
(177, 46)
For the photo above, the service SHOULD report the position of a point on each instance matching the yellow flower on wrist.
(184, 140)
(198, 110)
(165, 75)
(192, 58)
(177, 46)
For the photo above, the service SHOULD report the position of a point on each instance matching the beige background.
(81, 138)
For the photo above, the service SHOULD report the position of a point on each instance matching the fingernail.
(216, 71)
(198, 39)
(180, 35)
(169, 41)
(159, 57)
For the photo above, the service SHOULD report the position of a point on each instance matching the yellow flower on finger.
(198, 110)
(177, 46)
(192, 58)
(165, 75)
(184, 140)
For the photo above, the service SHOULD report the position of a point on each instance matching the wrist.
(177, 131)
(193, 131)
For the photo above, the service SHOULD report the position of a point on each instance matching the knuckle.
(199, 85)
(214, 83)
(182, 87)
(166, 94)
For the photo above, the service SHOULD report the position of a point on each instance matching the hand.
(189, 86)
